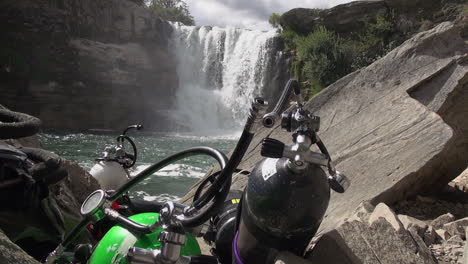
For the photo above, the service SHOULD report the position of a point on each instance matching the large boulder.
(396, 128)
(38, 230)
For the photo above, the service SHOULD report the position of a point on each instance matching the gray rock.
(10, 253)
(430, 236)
(342, 18)
(465, 249)
(409, 16)
(409, 221)
(442, 220)
(442, 234)
(383, 211)
(357, 242)
(422, 249)
(393, 125)
(457, 228)
(362, 212)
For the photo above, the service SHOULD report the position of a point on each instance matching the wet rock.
(442, 220)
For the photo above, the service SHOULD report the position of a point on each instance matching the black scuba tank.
(282, 209)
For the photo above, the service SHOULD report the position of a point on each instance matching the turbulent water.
(220, 71)
(170, 183)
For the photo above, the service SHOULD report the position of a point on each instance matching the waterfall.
(220, 71)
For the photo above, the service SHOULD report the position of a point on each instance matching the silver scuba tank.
(111, 169)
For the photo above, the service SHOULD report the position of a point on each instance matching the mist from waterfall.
(220, 71)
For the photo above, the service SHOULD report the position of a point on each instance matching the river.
(168, 184)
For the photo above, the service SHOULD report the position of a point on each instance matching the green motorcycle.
(249, 226)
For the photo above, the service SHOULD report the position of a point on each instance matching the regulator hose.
(224, 180)
(134, 156)
(219, 189)
(216, 154)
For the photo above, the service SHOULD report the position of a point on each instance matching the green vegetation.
(323, 56)
(173, 10)
(274, 20)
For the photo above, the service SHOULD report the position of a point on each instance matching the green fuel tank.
(114, 246)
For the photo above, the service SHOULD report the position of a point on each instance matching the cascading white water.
(220, 71)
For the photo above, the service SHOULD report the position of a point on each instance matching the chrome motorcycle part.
(93, 205)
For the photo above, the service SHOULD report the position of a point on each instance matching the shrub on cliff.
(325, 56)
(376, 40)
(274, 20)
(173, 10)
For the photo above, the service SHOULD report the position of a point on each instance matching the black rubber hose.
(211, 178)
(223, 181)
(133, 156)
(216, 154)
(17, 125)
(132, 225)
(236, 158)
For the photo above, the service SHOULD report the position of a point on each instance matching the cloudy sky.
(251, 14)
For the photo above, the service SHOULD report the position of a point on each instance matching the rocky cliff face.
(86, 64)
(410, 16)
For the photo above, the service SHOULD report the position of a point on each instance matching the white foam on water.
(160, 197)
(172, 170)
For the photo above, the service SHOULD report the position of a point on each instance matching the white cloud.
(251, 14)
